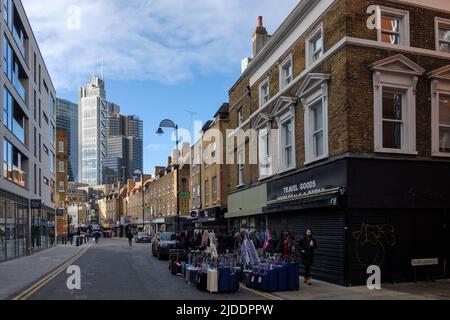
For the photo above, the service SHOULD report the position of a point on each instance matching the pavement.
(112, 270)
(16, 275)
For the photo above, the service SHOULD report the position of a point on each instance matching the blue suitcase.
(293, 277)
(282, 273)
(224, 280)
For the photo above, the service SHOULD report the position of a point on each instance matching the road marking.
(262, 294)
(26, 294)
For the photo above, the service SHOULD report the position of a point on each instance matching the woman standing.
(307, 246)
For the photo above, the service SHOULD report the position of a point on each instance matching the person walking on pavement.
(130, 237)
(307, 246)
(96, 236)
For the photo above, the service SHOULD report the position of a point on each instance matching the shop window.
(395, 82)
(394, 27)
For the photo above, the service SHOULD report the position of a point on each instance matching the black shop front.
(367, 212)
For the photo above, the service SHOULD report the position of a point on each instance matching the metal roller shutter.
(329, 230)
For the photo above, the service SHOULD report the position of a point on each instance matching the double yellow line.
(263, 294)
(27, 293)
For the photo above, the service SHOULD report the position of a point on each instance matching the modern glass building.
(93, 112)
(67, 119)
(27, 138)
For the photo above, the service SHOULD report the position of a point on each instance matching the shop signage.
(307, 183)
(424, 262)
(36, 204)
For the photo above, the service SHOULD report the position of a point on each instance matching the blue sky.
(161, 57)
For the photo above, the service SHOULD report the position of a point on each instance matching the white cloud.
(162, 40)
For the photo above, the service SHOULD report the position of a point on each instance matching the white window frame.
(439, 22)
(240, 165)
(62, 186)
(266, 82)
(309, 102)
(283, 80)
(240, 116)
(265, 152)
(59, 166)
(404, 28)
(309, 54)
(407, 85)
(438, 87)
(61, 146)
(288, 116)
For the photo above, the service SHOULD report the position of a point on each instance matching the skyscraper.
(67, 119)
(93, 112)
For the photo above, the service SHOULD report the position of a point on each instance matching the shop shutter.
(329, 230)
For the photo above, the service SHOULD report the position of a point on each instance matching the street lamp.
(170, 124)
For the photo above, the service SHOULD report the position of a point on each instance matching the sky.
(161, 58)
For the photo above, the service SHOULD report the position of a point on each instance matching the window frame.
(438, 22)
(283, 80)
(438, 87)
(265, 152)
(309, 54)
(264, 83)
(282, 121)
(310, 102)
(240, 166)
(240, 116)
(404, 28)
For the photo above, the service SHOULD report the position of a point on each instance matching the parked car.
(142, 237)
(162, 244)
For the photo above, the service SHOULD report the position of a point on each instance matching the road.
(112, 270)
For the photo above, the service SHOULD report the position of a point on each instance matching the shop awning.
(248, 202)
(323, 199)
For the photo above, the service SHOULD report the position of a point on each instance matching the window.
(61, 205)
(394, 27)
(45, 117)
(214, 152)
(240, 116)
(314, 46)
(52, 162)
(207, 193)
(61, 166)
(61, 146)
(52, 105)
(287, 145)
(444, 123)
(265, 153)
(286, 73)
(61, 186)
(52, 134)
(8, 13)
(395, 80)
(45, 148)
(443, 35)
(35, 142)
(393, 122)
(13, 116)
(241, 162)
(264, 94)
(14, 164)
(214, 189)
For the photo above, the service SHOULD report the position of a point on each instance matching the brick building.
(352, 133)
(62, 179)
(209, 174)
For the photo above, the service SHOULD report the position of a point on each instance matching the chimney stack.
(260, 37)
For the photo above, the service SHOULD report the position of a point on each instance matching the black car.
(162, 244)
(142, 237)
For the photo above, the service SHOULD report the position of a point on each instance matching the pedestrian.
(97, 236)
(307, 246)
(130, 237)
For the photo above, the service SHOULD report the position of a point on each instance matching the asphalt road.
(112, 270)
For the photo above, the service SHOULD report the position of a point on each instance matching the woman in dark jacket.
(307, 246)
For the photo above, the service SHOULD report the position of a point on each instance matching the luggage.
(201, 280)
(293, 277)
(213, 281)
(282, 275)
(247, 278)
(228, 280)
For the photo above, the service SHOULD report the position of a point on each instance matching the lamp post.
(170, 124)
